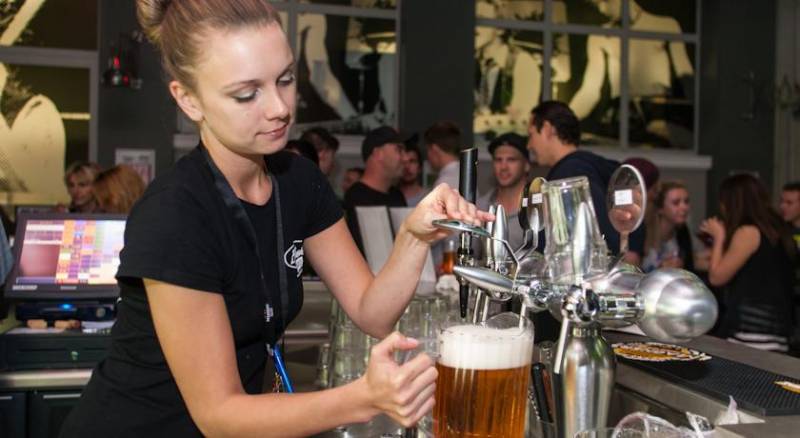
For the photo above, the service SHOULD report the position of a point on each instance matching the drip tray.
(753, 389)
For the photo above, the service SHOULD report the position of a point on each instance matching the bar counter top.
(681, 399)
(310, 329)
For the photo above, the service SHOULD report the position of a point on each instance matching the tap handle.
(467, 185)
(468, 174)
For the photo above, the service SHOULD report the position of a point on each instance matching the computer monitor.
(21, 209)
(66, 256)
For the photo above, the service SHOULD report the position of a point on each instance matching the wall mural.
(586, 70)
(346, 70)
(45, 110)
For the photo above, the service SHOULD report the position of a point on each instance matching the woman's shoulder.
(749, 232)
(185, 189)
(747, 237)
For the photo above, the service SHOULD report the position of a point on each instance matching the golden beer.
(482, 388)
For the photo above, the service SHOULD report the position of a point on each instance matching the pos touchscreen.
(66, 256)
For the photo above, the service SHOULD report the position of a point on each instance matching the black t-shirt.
(182, 232)
(598, 170)
(362, 195)
(758, 299)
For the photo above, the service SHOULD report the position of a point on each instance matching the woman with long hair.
(669, 242)
(752, 257)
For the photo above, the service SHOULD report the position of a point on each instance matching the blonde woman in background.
(79, 178)
(669, 243)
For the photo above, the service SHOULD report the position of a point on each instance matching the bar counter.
(636, 388)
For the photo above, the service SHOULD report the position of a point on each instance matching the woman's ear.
(186, 100)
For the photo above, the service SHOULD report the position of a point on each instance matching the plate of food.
(658, 352)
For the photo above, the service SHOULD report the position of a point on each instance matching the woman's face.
(79, 188)
(676, 206)
(245, 93)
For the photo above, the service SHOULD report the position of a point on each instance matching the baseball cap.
(516, 141)
(379, 137)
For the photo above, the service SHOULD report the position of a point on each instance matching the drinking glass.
(575, 248)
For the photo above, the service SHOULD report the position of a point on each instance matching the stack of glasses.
(345, 358)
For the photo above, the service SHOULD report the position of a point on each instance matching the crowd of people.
(215, 248)
(732, 252)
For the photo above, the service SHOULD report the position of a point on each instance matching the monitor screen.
(66, 255)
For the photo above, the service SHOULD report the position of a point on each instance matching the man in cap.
(382, 152)
(511, 166)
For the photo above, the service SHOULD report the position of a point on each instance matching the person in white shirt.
(442, 145)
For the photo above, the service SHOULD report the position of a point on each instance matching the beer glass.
(575, 248)
(482, 388)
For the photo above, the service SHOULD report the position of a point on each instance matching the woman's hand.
(403, 392)
(442, 203)
(715, 228)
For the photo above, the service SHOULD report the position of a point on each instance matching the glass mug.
(482, 388)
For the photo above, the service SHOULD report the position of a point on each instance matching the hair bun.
(151, 15)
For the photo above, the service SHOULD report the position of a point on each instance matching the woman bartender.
(213, 252)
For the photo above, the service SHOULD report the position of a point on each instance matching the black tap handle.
(539, 392)
(468, 174)
(467, 187)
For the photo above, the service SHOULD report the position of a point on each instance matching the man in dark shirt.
(554, 137)
(382, 152)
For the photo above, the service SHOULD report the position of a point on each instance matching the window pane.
(661, 87)
(377, 4)
(508, 78)
(606, 13)
(346, 72)
(45, 125)
(531, 10)
(674, 16)
(593, 87)
(49, 23)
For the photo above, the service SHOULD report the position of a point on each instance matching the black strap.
(283, 283)
(234, 204)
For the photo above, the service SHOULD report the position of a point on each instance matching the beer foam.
(484, 348)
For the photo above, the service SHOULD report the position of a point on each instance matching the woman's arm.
(195, 334)
(724, 265)
(376, 303)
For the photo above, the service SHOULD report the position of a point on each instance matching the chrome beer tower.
(580, 284)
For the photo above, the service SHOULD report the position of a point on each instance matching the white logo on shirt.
(293, 257)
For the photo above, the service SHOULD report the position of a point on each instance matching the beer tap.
(586, 289)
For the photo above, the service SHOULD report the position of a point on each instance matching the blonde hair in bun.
(151, 14)
(178, 27)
